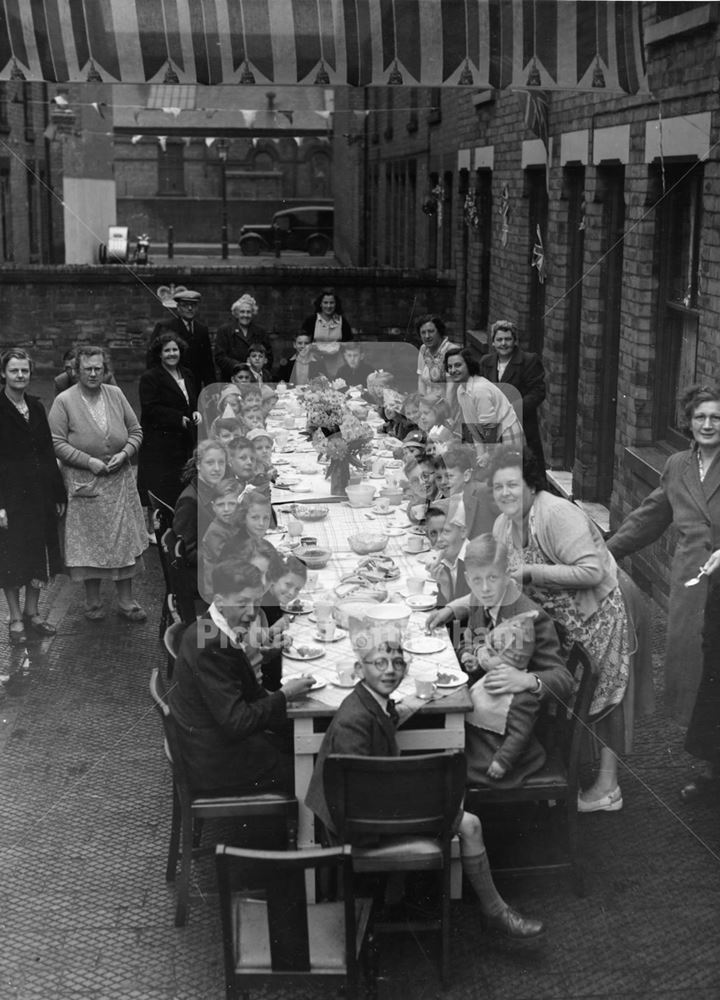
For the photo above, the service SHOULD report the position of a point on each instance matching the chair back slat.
(179, 574)
(394, 796)
(580, 665)
(288, 921)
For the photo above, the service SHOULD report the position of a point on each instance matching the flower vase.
(339, 474)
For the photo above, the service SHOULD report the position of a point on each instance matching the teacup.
(424, 689)
(378, 466)
(323, 611)
(326, 629)
(418, 511)
(289, 422)
(415, 584)
(383, 504)
(312, 580)
(346, 676)
(415, 543)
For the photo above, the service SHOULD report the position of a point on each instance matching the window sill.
(647, 463)
(692, 20)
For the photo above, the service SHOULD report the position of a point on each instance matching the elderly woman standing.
(431, 373)
(96, 434)
(32, 497)
(688, 498)
(233, 340)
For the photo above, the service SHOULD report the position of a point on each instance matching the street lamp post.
(222, 148)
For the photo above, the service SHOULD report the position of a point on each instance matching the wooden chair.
(180, 576)
(411, 803)
(282, 940)
(162, 520)
(171, 640)
(562, 736)
(190, 809)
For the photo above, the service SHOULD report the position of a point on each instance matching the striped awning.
(555, 44)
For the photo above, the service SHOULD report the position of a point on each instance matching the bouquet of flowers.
(333, 428)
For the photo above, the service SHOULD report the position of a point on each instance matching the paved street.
(84, 821)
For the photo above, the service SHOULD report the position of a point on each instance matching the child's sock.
(477, 870)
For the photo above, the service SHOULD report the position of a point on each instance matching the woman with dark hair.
(168, 417)
(327, 328)
(560, 558)
(688, 498)
(96, 435)
(485, 412)
(32, 498)
(431, 373)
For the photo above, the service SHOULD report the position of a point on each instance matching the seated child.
(396, 423)
(300, 367)
(252, 411)
(365, 724)
(434, 421)
(422, 487)
(257, 360)
(445, 529)
(286, 578)
(242, 375)
(254, 514)
(506, 632)
(459, 478)
(226, 430)
(229, 403)
(262, 441)
(221, 529)
(353, 369)
(241, 461)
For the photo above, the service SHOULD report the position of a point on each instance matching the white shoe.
(612, 802)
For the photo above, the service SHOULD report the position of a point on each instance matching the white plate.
(339, 684)
(316, 686)
(292, 654)
(393, 531)
(424, 644)
(340, 633)
(459, 680)
(411, 552)
(421, 602)
(304, 609)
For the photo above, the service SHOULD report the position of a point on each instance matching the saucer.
(424, 644)
(294, 654)
(340, 633)
(421, 602)
(412, 552)
(376, 510)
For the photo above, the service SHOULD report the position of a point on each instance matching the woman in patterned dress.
(432, 378)
(565, 566)
(32, 498)
(96, 434)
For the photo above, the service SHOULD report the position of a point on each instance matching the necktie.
(189, 325)
(392, 712)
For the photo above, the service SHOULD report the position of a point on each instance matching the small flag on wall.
(539, 261)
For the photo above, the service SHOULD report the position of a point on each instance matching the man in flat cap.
(198, 357)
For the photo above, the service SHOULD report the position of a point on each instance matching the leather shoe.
(511, 924)
(36, 625)
(612, 802)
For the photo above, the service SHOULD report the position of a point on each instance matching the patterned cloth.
(604, 634)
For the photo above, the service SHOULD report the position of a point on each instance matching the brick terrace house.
(627, 316)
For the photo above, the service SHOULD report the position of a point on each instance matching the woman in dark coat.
(32, 498)
(327, 329)
(168, 417)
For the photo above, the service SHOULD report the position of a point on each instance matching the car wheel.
(317, 246)
(102, 253)
(251, 245)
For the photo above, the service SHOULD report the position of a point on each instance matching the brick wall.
(48, 309)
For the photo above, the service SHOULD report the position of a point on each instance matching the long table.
(439, 724)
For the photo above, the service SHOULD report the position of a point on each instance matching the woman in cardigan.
(327, 327)
(168, 417)
(32, 498)
(563, 563)
(95, 434)
(688, 498)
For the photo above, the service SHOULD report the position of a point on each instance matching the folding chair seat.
(190, 809)
(410, 804)
(558, 781)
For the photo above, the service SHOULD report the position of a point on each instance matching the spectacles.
(383, 663)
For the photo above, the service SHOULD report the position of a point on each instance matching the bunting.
(575, 44)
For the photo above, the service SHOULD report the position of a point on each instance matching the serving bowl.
(315, 558)
(360, 495)
(364, 544)
(353, 609)
(310, 512)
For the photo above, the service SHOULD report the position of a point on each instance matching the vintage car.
(306, 228)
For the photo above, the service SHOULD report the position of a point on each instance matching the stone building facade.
(624, 226)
